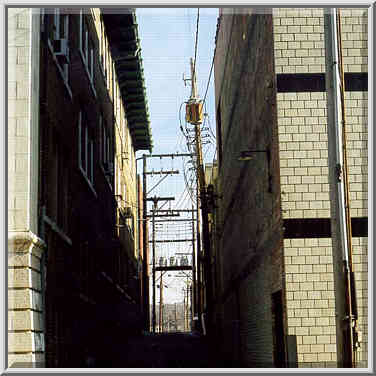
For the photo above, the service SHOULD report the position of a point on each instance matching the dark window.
(86, 147)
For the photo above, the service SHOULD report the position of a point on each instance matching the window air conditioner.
(61, 50)
(126, 212)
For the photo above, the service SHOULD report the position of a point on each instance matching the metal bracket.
(339, 172)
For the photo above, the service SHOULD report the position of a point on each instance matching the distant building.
(77, 114)
(270, 95)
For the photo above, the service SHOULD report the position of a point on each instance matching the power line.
(196, 42)
(211, 70)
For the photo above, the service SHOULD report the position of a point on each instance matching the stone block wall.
(25, 249)
(22, 119)
(25, 300)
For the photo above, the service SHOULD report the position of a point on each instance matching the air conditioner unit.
(61, 50)
(128, 212)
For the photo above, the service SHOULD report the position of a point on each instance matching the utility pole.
(199, 273)
(344, 282)
(191, 300)
(161, 303)
(194, 304)
(155, 203)
(189, 306)
(176, 319)
(184, 309)
(194, 116)
(153, 225)
(145, 281)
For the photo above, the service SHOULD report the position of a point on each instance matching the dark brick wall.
(250, 237)
(75, 289)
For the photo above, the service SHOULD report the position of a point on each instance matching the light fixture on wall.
(247, 155)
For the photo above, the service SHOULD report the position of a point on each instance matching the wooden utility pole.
(345, 302)
(153, 225)
(176, 319)
(161, 303)
(194, 304)
(199, 273)
(184, 309)
(155, 203)
(145, 279)
(194, 116)
(145, 242)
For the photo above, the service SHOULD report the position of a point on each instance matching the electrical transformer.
(194, 112)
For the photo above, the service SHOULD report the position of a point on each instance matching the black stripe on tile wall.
(320, 227)
(313, 82)
(359, 227)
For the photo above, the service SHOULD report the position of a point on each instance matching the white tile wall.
(304, 177)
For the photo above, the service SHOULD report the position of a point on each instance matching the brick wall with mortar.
(25, 249)
(299, 48)
(249, 249)
(72, 275)
(90, 251)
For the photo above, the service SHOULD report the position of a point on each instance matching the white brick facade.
(299, 48)
(310, 298)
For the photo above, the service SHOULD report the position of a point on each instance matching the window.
(61, 23)
(105, 144)
(84, 35)
(90, 64)
(58, 40)
(62, 188)
(105, 58)
(118, 177)
(57, 178)
(102, 47)
(113, 83)
(86, 47)
(86, 148)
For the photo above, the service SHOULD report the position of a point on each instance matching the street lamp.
(247, 155)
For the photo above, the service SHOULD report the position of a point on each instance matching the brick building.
(77, 114)
(248, 227)
(284, 310)
(301, 101)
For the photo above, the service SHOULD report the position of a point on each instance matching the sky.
(167, 38)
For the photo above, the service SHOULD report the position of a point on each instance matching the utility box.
(194, 113)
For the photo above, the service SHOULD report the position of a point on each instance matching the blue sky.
(167, 38)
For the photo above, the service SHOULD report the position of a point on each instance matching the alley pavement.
(164, 350)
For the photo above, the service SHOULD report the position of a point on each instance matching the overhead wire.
(196, 42)
(211, 70)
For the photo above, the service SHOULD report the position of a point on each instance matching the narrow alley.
(187, 187)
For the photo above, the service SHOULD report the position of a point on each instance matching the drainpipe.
(339, 215)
